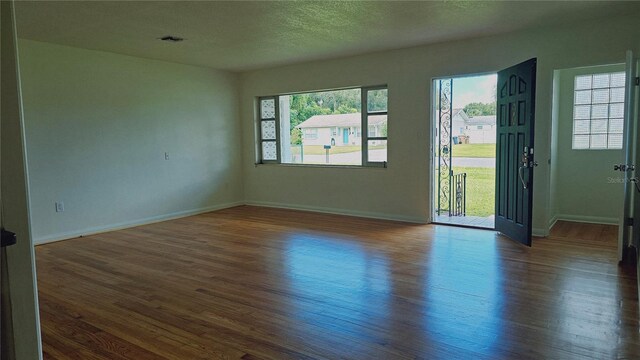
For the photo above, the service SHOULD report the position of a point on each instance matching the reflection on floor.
(259, 283)
(474, 221)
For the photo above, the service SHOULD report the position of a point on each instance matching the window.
(310, 134)
(372, 131)
(269, 142)
(598, 111)
(325, 127)
(479, 127)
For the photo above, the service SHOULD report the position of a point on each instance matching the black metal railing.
(458, 198)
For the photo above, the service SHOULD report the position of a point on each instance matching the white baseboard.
(587, 219)
(128, 224)
(552, 222)
(337, 211)
(539, 232)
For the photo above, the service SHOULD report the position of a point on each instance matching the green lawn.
(460, 150)
(474, 150)
(480, 190)
(319, 149)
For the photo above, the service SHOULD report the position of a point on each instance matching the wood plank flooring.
(258, 283)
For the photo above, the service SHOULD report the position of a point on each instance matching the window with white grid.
(598, 111)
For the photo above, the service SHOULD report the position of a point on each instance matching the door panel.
(514, 150)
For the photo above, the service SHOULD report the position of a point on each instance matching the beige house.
(340, 129)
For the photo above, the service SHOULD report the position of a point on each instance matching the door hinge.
(628, 221)
(637, 80)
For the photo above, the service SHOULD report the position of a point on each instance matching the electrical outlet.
(166, 156)
(59, 206)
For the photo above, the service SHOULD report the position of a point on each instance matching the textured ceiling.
(245, 35)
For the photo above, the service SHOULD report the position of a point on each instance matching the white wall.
(458, 125)
(485, 136)
(581, 186)
(98, 125)
(401, 190)
(323, 138)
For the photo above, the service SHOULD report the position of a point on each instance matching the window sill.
(381, 166)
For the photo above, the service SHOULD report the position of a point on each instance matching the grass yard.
(474, 150)
(319, 149)
(480, 190)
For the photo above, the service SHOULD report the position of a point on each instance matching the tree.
(383, 130)
(377, 100)
(480, 109)
(296, 136)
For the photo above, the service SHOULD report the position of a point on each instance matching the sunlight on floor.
(474, 221)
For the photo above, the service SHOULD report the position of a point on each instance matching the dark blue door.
(514, 150)
(345, 136)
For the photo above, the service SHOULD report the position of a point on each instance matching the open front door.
(514, 150)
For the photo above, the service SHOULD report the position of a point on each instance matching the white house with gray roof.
(481, 129)
(340, 129)
(477, 129)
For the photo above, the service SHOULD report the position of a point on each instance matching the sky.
(474, 89)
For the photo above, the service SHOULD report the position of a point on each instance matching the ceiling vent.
(171, 38)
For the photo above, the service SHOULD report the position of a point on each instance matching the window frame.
(365, 125)
(364, 139)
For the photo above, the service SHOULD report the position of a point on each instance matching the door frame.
(20, 257)
(630, 144)
(433, 123)
(558, 83)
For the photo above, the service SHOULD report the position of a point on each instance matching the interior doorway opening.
(587, 138)
(464, 151)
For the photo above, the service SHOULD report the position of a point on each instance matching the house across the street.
(473, 129)
(340, 129)
(481, 129)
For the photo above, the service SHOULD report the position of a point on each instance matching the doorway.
(464, 152)
(587, 140)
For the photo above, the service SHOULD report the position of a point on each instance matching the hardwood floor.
(259, 283)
